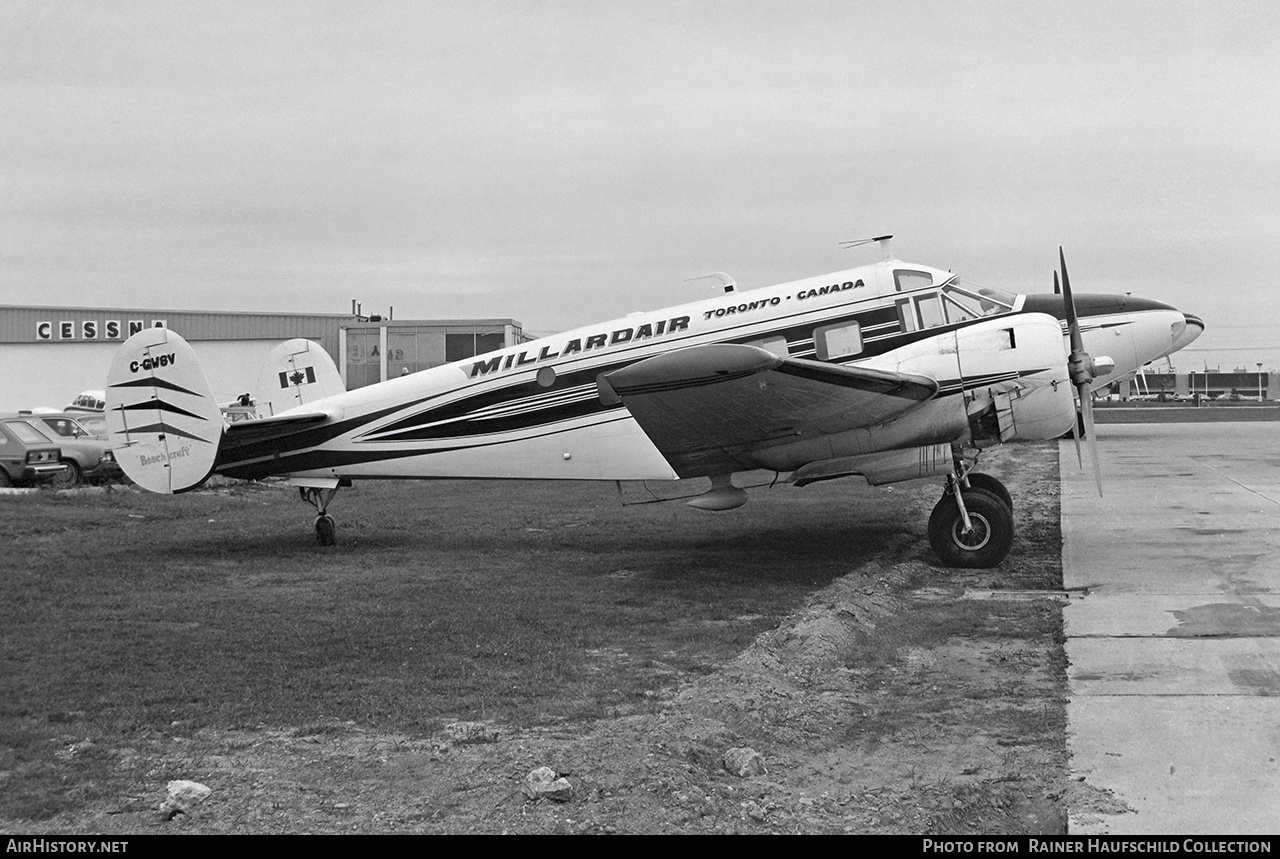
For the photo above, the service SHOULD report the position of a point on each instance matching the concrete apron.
(1174, 635)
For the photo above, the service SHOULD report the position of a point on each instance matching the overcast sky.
(567, 162)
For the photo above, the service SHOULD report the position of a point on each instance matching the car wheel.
(69, 476)
(5, 480)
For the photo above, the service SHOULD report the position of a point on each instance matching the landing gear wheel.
(978, 480)
(326, 530)
(69, 477)
(985, 544)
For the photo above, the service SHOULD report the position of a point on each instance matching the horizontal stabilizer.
(164, 423)
(255, 429)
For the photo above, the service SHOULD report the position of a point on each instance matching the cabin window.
(930, 311)
(906, 316)
(906, 280)
(776, 344)
(924, 311)
(837, 341)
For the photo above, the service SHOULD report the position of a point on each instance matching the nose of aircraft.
(1131, 331)
(1192, 327)
(1136, 333)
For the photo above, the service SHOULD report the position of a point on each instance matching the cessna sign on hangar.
(91, 329)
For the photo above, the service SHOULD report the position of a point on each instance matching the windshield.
(964, 301)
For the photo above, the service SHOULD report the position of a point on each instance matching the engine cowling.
(1013, 370)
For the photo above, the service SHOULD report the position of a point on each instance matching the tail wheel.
(326, 530)
(978, 480)
(69, 476)
(983, 545)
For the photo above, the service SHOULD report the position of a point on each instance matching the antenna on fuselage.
(885, 253)
(725, 280)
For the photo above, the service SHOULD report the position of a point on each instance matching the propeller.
(1082, 370)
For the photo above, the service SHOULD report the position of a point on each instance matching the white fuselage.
(534, 410)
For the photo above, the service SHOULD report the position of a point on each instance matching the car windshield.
(95, 424)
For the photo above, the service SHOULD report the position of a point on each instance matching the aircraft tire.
(990, 540)
(326, 530)
(979, 480)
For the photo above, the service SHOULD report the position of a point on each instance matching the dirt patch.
(893, 702)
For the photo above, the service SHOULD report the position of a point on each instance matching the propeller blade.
(1057, 288)
(1075, 434)
(1090, 438)
(1073, 324)
(1080, 369)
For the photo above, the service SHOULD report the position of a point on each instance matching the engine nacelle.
(1014, 373)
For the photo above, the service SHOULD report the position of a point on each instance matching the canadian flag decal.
(304, 376)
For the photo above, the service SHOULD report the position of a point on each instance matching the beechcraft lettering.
(581, 344)
(891, 371)
(185, 450)
(153, 362)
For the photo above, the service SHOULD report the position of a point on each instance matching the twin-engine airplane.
(892, 371)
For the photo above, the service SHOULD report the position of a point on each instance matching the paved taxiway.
(1174, 648)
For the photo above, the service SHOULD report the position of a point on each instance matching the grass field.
(129, 617)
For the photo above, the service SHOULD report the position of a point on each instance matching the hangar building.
(48, 355)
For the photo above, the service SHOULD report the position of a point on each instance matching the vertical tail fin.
(297, 372)
(164, 423)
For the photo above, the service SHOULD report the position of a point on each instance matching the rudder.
(164, 423)
(297, 372)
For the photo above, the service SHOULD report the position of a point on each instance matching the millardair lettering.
(153, 363)
(581, 344)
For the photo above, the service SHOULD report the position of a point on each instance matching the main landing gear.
(972, 524)
(320, 497)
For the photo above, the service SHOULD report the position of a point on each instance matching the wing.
(707, 408)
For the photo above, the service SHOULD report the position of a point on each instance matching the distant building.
(1211, 383)
(48, 355)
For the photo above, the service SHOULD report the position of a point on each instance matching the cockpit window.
(905, 279)
(967, 301)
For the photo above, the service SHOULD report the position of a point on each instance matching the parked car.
(86, 456)
(27, 455)
(95, 423)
